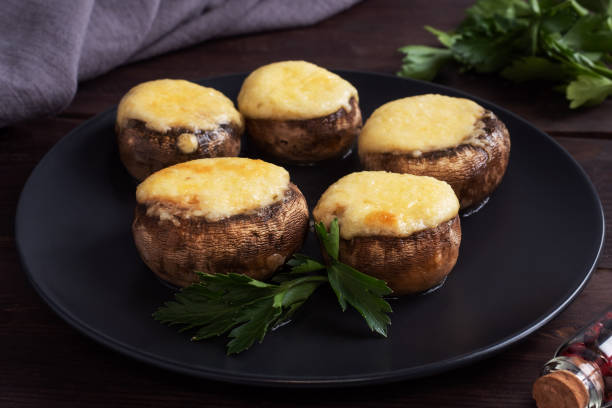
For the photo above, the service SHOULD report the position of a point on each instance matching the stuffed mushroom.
(452, 139)
(219, 215)
(400, 228)
(165, 122)
(298, 112)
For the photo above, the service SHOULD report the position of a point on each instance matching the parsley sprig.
(248, 308)
(568, 42)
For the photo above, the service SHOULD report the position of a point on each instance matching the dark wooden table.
(45, 362)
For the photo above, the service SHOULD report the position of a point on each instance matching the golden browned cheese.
(419, 124)
(173, 103)
(214, 188)
(371, 203)
(294, 90)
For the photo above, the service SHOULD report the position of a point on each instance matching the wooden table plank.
(47, 363)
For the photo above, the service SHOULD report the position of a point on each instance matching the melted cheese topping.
(418, 124)
(381, 203)
(293, 90)
(213, 188)
(172, 103)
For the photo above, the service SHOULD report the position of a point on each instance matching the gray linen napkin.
(47, 47)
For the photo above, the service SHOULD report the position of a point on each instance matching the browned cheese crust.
(473, 169)
(308, 140)
(255, 244)
(144, 151)
(409, 264)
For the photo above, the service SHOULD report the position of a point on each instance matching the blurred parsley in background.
(566, 42)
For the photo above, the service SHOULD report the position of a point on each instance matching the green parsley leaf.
(299, 290)
(580, 62)
(304, 264)
(533, 68)
(331, 240)
(248, 308)
(588, 90)
(422, 62)
(256, 318)
(492, 17)
(590, 33)
(568, 42)
(598, 6)
(483, 54)
(220, 303)
(213, 301)
(363, 292)
(505, 8)
(447, 39)
(558, 19)
(296, 293)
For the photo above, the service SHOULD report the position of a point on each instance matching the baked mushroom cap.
(298, 112)
(219, 215)
(401, 228)
(451, 139)
(165, 122)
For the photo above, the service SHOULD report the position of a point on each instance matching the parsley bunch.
(568, 42)
(248, 308)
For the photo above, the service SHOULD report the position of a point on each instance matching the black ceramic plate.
(523, 258)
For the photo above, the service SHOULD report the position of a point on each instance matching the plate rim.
(313, 382)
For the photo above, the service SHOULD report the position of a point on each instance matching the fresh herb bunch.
(568, 42)
(248, 308)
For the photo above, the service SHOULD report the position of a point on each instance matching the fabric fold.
(47, 47)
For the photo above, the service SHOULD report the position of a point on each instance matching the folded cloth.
(47, 47)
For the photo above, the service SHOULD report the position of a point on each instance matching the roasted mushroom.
(400, 228)
(164, 122)
(230, 215)
(298, 112)
(451, 139)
